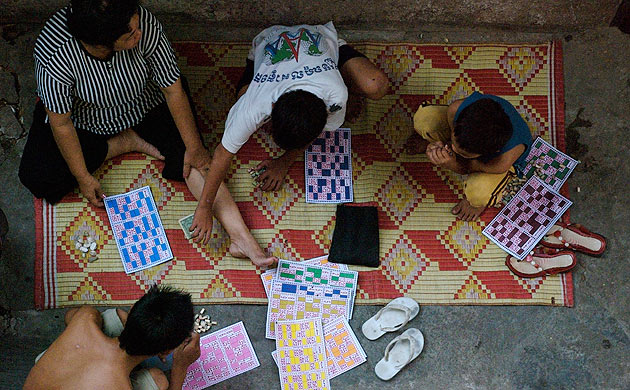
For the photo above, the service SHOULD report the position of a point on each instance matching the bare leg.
(224, 208)
(467, 212)
(363, 78)
(129, 141)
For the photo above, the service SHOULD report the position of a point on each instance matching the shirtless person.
(92, 353)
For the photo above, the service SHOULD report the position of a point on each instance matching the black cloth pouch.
(355, 239)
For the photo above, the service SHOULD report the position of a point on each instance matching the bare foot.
(466, 212)
(129, 141)
(254, 253)
(415, 144)
(354, 107)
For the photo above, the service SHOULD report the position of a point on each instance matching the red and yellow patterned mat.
(425, 253)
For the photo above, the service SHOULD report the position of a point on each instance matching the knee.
(159, 378)
(477, 193)
(376, 86)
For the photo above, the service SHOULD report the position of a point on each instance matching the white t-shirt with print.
(288, 58)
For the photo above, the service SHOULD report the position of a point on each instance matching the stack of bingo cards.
(537, 206)
(137, 229)
(300, 290)
(301, 355)
(343, 350)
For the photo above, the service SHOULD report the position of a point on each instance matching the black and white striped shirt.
(103, 96)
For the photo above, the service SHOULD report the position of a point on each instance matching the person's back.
(102, 351)
(83, 357)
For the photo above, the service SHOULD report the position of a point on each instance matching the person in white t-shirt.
(298, 79)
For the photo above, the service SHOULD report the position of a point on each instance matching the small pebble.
(77, 245)
(92, 246)
(578, 189)
(202, 311)
(84, 249)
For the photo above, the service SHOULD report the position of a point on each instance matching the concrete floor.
(529, 347)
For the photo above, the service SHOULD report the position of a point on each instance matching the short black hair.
(161, 320)
(482, 127)
(297, 119)
(101, 22)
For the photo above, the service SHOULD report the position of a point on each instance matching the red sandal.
(541, 264)
(576, 237)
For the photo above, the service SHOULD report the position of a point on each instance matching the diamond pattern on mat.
(281, 249)
(399, 195)
(392, 129)
(155, 275)
(399, 62)
(215, 53)
(275, 205)
(219, 287)
(460, 88)
(473, 289)
(534, 120)
(520, 65)
(213, 100)
(89, 291)
(452, 180)
(86, 224)
(402, 265)
(531, 285)
(161, 189)
(459, 54)
(465, 241)
(323, 237)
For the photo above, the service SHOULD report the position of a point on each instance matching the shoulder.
(85, 314)
(148, 20)
(54, 37)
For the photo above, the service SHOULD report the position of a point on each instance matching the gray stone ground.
(529, 347)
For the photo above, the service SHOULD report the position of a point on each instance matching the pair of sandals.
(403, 348)
(552, 257)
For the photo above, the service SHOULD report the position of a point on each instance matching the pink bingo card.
(224, 354)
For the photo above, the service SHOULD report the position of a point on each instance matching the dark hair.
(161, 320)
(297, 119)
(101, 22)
(482, 127)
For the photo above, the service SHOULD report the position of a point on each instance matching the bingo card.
(137, 229)
(521, 224)
(328, 168)
(224, 354)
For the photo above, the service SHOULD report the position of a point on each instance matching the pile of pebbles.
(87, 246)
(202, 322)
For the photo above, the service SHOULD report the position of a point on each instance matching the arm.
(196, 154)
(68, 142)
(183, 356)
(442, 155)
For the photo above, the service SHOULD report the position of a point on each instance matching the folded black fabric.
(355, 239)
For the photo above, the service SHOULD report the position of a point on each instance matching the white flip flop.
(392, 317)
(399, 352)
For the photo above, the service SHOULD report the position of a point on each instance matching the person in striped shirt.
(109, 84)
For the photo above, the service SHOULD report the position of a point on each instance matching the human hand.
(441, 155)
(91, 189)
(199, 158)
(201, 228)
(273, 177)
(187, 352)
